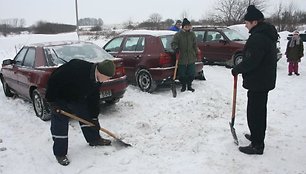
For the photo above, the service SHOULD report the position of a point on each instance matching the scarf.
(294, 41)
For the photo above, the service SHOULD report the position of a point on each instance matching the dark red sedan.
(148, 57)
(27, 74)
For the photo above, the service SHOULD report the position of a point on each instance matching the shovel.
(173, 87)
(232, 122)
(117, 140)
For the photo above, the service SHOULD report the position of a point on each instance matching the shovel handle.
(176, 63)
(234, 97)
(85, 122)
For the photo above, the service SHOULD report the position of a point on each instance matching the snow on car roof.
(149, 32)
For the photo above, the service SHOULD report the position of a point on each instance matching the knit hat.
(185, 22)
(106, 67)
(253, 14)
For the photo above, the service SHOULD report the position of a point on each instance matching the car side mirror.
(7, 62)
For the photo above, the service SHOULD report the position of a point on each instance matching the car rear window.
(234, 35)
(85, 51)
(166, 41)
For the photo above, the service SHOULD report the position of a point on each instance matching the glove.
(53, 107)
(234, 73)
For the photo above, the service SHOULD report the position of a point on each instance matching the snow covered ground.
(187, 134)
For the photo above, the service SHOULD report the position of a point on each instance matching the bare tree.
(229, 12)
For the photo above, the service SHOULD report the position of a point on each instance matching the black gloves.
(234, 73)
(53, 107)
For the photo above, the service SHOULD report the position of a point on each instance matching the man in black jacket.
(258, 70)
(74, 87)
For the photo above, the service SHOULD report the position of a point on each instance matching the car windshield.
(166, 41)
(60, 54)
(234, 35)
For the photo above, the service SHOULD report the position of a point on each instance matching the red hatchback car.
(28, 73)
(147, 57)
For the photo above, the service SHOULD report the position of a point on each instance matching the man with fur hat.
(74, 87)
(258, 70)
(184, 43)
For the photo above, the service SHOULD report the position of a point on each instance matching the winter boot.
(297, 73)
(100, 142)
(252, 149)
(190, 89)
(183, 88)
(248, 137)
(290, 74)
(62, 160)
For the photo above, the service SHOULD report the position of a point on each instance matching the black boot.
(248, 137)
(62, 160)
(190, 89)
(252, 149)
(183, 88)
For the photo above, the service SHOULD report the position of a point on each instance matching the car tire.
(6, 88)
(145, 81)
(41, 107)
(237, 59)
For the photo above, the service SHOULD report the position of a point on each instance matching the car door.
(11, 72)
(215, 48)
(26, 72)
(132, 54)
(114, 46)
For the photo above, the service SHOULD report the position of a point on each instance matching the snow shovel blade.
(173, 89)
(234, 133)
(121, 143)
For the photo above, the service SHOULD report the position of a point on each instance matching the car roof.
(55, 43)
(209, 27)
(149, 32)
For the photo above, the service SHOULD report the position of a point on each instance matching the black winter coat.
(75, 82)
(259, 65)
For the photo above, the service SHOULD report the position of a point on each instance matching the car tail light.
(199, 55)
(165, 59)
(119, 70)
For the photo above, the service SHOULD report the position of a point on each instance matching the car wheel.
(40, 106)
(6, 88)
(238, 59)
(145, 81)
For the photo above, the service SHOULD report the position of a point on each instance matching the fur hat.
(185, 22)
(253, 14)
(106, 67)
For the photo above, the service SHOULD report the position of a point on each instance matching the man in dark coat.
(258, 70)
(184, 43)
(74, 87)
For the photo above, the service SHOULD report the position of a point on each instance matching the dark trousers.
(257, 116)
(59, 126)
(186, 74)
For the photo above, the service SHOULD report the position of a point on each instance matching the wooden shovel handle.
(85, 122)
(234, 96)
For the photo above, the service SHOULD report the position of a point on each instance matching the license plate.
(104, 94)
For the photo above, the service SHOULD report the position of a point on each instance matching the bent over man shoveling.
(74, 87)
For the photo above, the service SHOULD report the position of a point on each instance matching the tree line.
(225, 13)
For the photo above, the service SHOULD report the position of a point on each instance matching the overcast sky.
(114, 11)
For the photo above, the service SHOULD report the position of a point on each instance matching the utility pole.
(77, 18)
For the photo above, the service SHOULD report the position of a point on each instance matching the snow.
(186, 134)
(150, 32)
